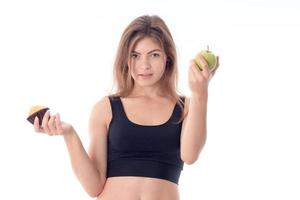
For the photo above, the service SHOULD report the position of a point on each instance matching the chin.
(146, 83)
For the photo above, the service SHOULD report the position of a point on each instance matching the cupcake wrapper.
(40, 114)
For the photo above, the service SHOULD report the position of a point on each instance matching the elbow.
(189, 161)
(94, 195)
(96, 191)
(190, 156)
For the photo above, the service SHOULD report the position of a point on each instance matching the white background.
(60, 53)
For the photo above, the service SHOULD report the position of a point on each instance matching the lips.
(145, 74)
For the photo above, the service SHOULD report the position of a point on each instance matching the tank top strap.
(118, 111)
(177, 111)
(116, 106)
(182, 98)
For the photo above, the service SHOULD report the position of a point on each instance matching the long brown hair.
(139, 28)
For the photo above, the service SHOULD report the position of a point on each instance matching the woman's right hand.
(52, 125)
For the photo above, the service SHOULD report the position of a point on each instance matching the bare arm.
(83, 167)
(89, 168)
(193, 135)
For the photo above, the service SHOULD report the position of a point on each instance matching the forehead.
(147, 44)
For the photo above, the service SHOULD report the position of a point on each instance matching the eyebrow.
(148, 52)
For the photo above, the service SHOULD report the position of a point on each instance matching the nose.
(145, 64)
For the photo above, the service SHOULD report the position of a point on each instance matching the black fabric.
(141, 150)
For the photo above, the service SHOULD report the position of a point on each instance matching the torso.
(142, 188)
(139, 188)
(146, 112)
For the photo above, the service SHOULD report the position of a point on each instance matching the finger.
(196, 72)
(217, 65)
(195, 61)
(193, 64)
(204, 65)
(215, 69)
(36, 125)
(58, 123)
(45, 122)
(193, 70)
(52, 126)
(191, 75)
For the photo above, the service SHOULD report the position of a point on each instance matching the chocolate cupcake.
(38, 111)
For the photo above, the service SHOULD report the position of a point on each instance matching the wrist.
(70, 134)
(203, 95)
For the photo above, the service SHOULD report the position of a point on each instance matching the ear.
(168, 62)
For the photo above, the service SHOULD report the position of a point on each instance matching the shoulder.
(185, 100)
(101, 106)
(101, 111)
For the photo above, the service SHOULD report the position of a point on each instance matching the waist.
(138, 188)
(144, 168)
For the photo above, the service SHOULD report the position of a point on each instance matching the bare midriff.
(138, 188)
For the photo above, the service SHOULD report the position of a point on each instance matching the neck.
(147, 92)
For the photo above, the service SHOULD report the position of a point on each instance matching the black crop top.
(142, 150)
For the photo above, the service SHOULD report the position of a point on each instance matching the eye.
(156, 55)
(134, 55)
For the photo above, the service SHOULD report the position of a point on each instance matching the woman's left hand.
(199, 80)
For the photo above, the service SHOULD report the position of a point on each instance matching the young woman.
(141, 135)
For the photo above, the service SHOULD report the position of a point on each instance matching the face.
(148, 61)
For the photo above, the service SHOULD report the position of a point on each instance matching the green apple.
(209, 57)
